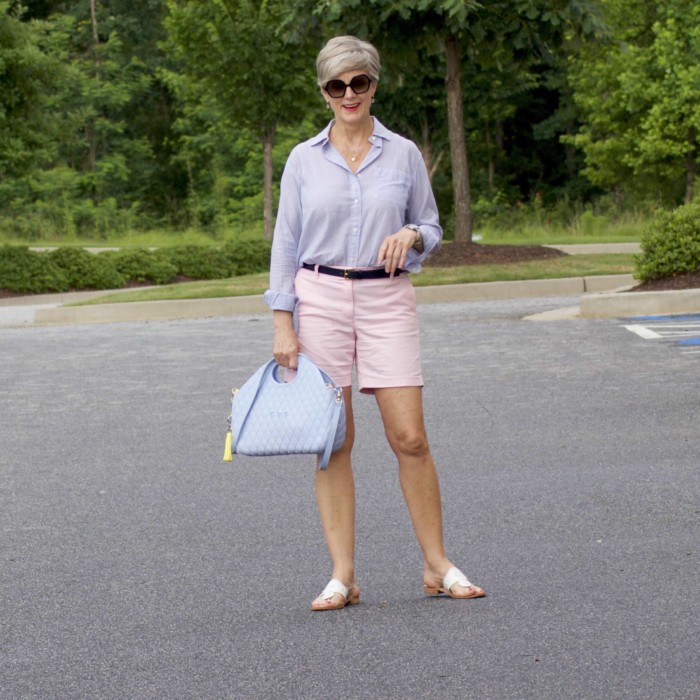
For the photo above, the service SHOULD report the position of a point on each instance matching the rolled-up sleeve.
(285, 244)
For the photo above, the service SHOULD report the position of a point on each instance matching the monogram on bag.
(270, 416)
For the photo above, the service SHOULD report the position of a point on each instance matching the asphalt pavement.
(135, 564)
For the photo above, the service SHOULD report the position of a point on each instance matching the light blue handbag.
(272, 417)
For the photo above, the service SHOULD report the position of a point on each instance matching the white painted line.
(677, 334)
(643, 332)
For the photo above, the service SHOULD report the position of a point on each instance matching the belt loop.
(316, 270)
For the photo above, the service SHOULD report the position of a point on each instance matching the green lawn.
(569, 266)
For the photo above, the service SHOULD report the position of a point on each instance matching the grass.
(569, 266)
(628, 231)
(530, 228)
(155, 238)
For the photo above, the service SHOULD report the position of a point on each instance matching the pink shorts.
(371, 323)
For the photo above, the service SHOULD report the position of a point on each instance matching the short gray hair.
(346, 53)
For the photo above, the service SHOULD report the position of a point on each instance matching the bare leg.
(335, 495)
(402, 413)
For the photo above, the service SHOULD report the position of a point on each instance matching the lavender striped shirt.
(329, 215)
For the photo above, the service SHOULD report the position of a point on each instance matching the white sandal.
(336, 587)
(452, 577)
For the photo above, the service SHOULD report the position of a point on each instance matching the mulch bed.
(457, 254)
(476, 254)
(688, 281)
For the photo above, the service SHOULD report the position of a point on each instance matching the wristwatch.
(419, 235)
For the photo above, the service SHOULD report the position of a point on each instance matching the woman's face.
(351, 108)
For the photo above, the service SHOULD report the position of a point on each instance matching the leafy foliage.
(85, 270)
(671, 245)
(181, 113)
(247, 256)
(639, 97)
(26, 271)
(141, 265)
(200, 262)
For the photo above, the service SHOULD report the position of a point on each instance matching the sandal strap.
(334, 586)
(453, 576)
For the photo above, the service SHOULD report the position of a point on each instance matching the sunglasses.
(359, 85)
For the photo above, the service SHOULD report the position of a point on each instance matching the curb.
(600, 297)
(150, 310)
(628, 304)
(231, 306)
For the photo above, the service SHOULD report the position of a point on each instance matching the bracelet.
(419, 235)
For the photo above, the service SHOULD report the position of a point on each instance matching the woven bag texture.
(273, 417)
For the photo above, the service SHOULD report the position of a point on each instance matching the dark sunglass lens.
(360, 84)
(336, 88)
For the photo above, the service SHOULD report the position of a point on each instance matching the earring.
(372, 99)
(328, 105)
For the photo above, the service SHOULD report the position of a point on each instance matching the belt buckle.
(346, 274)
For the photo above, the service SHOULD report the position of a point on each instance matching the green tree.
(262, 81)
(492, 33)
(31, 63)
(639, 95)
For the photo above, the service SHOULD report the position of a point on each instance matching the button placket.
(353, 242)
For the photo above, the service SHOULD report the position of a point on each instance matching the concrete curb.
(150, 310)
(231, 306)
(600, 297)
(628, 304)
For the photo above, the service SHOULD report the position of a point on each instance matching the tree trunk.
(690, 167)
(90, 134)
(426, 149)
(93, 17)
(268, 138)
(458, 144)
(492, 165)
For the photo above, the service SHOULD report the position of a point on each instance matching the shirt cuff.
(279, 301)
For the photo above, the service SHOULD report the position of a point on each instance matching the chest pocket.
(391, 186)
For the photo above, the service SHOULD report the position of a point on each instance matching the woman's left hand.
(394, 249)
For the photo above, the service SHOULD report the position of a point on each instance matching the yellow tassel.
(227, 447)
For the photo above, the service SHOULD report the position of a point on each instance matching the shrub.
(671, 244)
(26, 271)
(200, 262)
(143, 265)
(86, 270)
(248, 255)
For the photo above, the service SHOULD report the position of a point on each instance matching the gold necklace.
(354, 155)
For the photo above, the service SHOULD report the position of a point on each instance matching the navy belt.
(350, 274)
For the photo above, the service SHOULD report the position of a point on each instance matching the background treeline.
(124, 115)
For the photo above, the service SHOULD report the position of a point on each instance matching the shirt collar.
(380, 131)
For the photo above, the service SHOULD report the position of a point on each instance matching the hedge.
(27, 271)
(671, 244)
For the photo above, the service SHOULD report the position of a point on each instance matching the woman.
(356, 212)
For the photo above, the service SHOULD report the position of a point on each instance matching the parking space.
(682, 331)
(135, 564)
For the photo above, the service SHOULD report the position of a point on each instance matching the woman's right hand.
(286, 344)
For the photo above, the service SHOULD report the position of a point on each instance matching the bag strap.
(330, 438)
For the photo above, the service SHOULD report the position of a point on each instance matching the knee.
(410, 443)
